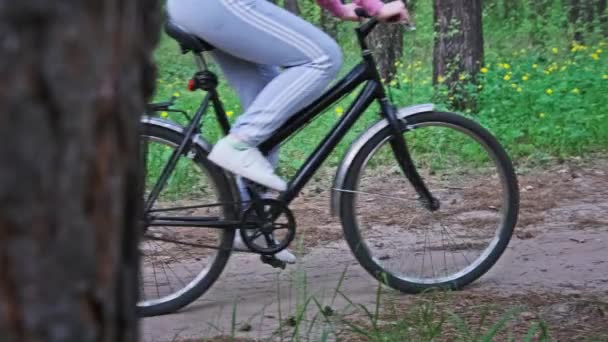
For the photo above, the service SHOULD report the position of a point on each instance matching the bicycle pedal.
(273, 261)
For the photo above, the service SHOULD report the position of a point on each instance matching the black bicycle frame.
(364, 73)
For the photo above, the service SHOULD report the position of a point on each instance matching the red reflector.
(192, 85)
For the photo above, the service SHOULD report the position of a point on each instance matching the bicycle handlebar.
(362, 13)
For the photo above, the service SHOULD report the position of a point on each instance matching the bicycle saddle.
(187, 41)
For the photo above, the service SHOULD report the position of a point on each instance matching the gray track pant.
(254, 41)
(253, 38)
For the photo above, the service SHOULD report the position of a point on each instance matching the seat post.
(200, 61)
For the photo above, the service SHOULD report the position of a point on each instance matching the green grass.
(549, 102)
(427, 319)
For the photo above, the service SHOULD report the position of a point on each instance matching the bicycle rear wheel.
(409, 247)
(178, 264)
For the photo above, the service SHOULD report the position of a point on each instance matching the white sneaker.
(248, 163)
(284, 255)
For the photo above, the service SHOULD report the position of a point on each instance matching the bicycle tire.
(352, 229)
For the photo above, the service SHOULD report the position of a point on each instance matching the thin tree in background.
(292, 6)
(328, 23)
(584, 15)
(458, 50)
(75, 75)
(387, 43)
(603, 17)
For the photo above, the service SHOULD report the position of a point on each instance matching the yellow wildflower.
(553, 67)
(595, 56)
(506, 66)
(576, 91)
(578, 47)
(507, 77)
(605, 76)
(534, 66)
(525, 77)
(462, 77)
(484, 70)
(555, 50)
(598, 51)
(519, 90)
(176, 94)
(513, 85)
(339, 111)
(549, 91)
(440, 79)
(164, 114)
(541, 115)
(229, 113)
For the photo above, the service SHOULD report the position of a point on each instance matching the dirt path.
(559, 249)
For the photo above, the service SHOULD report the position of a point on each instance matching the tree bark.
(74, 78)
(292, 6)
(458, 51)
(603, 17)
(328, 23)
(386, 42)
(582, 15)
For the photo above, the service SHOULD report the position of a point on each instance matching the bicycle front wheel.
(404, 244)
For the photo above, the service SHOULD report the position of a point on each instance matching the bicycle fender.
(202, 143)
(355, 148)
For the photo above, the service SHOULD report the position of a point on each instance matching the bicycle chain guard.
(260, 222)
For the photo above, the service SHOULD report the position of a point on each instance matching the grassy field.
(542, 96)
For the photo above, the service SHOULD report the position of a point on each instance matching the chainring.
(260, 223)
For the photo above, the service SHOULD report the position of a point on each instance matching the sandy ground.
(557, 262)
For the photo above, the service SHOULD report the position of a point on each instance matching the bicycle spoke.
(433, 246)
(176, 260)
(373, 194)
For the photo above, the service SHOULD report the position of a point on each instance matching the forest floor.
(555, 269)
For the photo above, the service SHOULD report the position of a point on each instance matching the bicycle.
(481, 202)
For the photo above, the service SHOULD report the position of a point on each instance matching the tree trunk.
(582, 15)
(75, 75)
(328, 23)
(292, 6)
(387, 43)
(458, 51)
(603, 17)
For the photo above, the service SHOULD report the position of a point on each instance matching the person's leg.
(248, 79)
(263, 33)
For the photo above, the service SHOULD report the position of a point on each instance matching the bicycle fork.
(404, 159)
